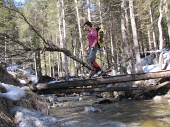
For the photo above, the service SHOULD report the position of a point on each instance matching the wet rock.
(91, 109)
(71, 124)
(105, 94)
(52, 99)
(103, 101)
(113, 124)
(86, 94)
(169, 101)
(158, 98)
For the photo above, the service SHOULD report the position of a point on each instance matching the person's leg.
(92, 57)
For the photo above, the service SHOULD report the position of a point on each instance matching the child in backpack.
(92, 48)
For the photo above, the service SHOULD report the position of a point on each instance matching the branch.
(51, 47)
(25, 19)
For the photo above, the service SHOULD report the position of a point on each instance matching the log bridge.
(79, 86)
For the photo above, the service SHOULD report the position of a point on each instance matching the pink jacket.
(92, 36)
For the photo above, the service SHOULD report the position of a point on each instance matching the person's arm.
(93, 45)
(96, 38)
(87, 49)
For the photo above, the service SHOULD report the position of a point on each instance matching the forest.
(48, 36)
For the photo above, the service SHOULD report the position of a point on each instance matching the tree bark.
(101, 80)
(80, 90)
(167, 11)
(153, 30)
(80, 33)
(135, 37)
(88, 10)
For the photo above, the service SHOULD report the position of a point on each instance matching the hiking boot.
(92, 73)
(98, 73)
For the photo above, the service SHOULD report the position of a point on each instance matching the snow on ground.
(13, 92)
(32, 118)
(154, 67)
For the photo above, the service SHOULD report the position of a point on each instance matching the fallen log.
(157, 86)
(80, 90)
(101, 80)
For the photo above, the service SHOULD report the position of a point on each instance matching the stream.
(87, 113)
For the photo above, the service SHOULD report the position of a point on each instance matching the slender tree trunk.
(59, 58)
(45, 65)
(153, 27)
(124, 37)
(103, 57)
(35, 65)
(5, 49)
(64, 41)
(49, 61)
(101, 19)
(80, 34)
(88, 10)
(153, 31)
(160, 25)
(58, 65)
(135, 38)
(74, 53)
(161, 9)
(113, 45)
(53, 65)
(167, 11)
(129, 37)
(39, 70)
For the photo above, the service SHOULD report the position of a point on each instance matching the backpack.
(100, 40)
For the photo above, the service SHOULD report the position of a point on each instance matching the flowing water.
(145, 113)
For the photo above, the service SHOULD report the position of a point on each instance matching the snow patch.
(13, 92)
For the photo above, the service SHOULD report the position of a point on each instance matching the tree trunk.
(124, 37)
(153, 32)
(80, 90)
(64, 42)
(112, 44)
(160, 34)
(49, 66)
(135, 38)
(80, 34)
(88, 10)
(167, 11)
(45, 65)
(129, 37)
(101, 19)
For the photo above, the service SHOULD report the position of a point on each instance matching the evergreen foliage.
(37, 22)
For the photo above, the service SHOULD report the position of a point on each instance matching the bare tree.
(153, 30)
(124, 36)
(167, 11)
(161, 10)
(88, 9)
(79, 29)
(135, 38)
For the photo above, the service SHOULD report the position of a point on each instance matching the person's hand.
(92, 46)
(85, 51)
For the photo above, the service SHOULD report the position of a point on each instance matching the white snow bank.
(33, 118)
(13, 92)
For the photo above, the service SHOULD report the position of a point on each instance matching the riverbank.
(11, 117)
